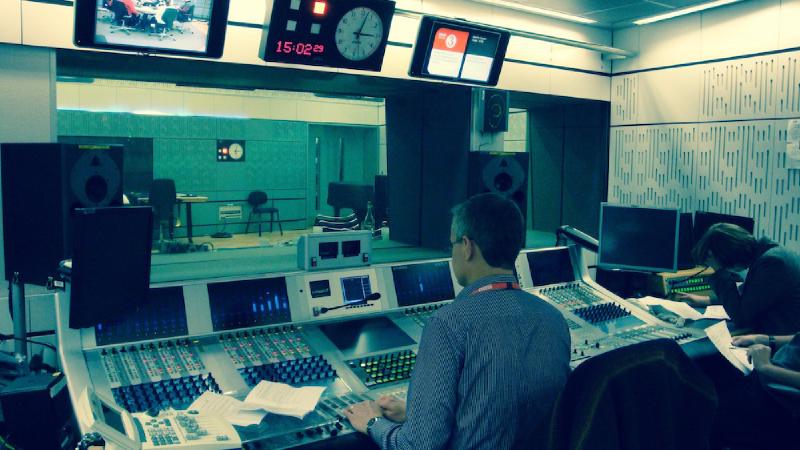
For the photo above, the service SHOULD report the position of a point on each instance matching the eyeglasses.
(459, 240)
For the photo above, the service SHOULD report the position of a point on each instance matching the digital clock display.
(334, 33)
(299, 48)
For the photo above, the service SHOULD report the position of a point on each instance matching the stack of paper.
(235, 411)
(283, 399)
(680, 308)
(721, 338)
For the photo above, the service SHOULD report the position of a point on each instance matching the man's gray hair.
(495, 224)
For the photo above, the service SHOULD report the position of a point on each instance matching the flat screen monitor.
(178, 27)
(704, 220)
(359, 337)
(248, 303)
(110, 263)
(550, 266)
(415, 284)
(634, 238)
(456, 50)
(685, 242)
(162, 315)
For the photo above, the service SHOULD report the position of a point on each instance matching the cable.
(691, 277)
(7, 337)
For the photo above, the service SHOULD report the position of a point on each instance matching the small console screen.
(248, 303)
(355, 289)
(415, 284)
(162, 315)
(551, 267)
(356, 338)
(320, 288)
(328, 250)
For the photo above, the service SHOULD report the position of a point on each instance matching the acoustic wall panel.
(653, 166)
(785, 204)
(788, 81)
(733, 170)
(624, 97)
(740, 89)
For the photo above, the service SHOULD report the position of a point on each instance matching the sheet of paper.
(680, 308)
(793, 144)
(716, 312)
(719, 335)
(234, 411)
(283, 399)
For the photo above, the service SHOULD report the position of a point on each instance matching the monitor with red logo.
(458, 51)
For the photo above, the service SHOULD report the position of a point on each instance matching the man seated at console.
(491, 364)
(769, 299)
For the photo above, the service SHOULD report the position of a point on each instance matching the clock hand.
(361, 28)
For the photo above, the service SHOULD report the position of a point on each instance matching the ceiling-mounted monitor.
(177, 27)
(456, 50)
(350, 34)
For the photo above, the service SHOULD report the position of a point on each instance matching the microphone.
(370, 298)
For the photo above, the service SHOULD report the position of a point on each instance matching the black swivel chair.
(123, 20)
(162, 200)
(165, 23)
(648, 395)
(256, 199)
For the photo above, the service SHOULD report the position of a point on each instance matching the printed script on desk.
(719, 335)
(279, 398)
(234, 411)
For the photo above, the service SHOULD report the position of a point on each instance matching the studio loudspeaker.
(494, 110)
(503, 173)
(42, 185)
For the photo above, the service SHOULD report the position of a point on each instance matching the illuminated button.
(320, 7)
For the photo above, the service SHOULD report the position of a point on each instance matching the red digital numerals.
(300, 48)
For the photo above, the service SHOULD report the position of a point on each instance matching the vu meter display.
(248, 303)
(458, 51)
(334, 33)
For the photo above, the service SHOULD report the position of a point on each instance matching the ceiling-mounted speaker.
(494, 110)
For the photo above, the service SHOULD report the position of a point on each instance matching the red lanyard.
(495, 287)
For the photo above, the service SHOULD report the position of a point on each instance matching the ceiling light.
(684, 11)
(534, 10)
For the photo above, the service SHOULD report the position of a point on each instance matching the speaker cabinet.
(494, 110)
(42, 185)
(503, 173)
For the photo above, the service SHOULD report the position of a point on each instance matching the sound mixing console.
(314, 329)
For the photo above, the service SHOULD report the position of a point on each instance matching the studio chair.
(122, 19)
(165, 23)
(256, 200)
(162, 200)
(648, 395)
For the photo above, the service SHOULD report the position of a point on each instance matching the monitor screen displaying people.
(187, 27)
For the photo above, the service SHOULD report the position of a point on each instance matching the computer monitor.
(430, 282)
(110, 263)
(178, 27)
(634, 238)
(685, 242)
(550, 266)
(704, 220)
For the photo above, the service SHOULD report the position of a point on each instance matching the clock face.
(359, 33)
(236, 151)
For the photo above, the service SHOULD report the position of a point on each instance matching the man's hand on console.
(360, 413)
(393, 408)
